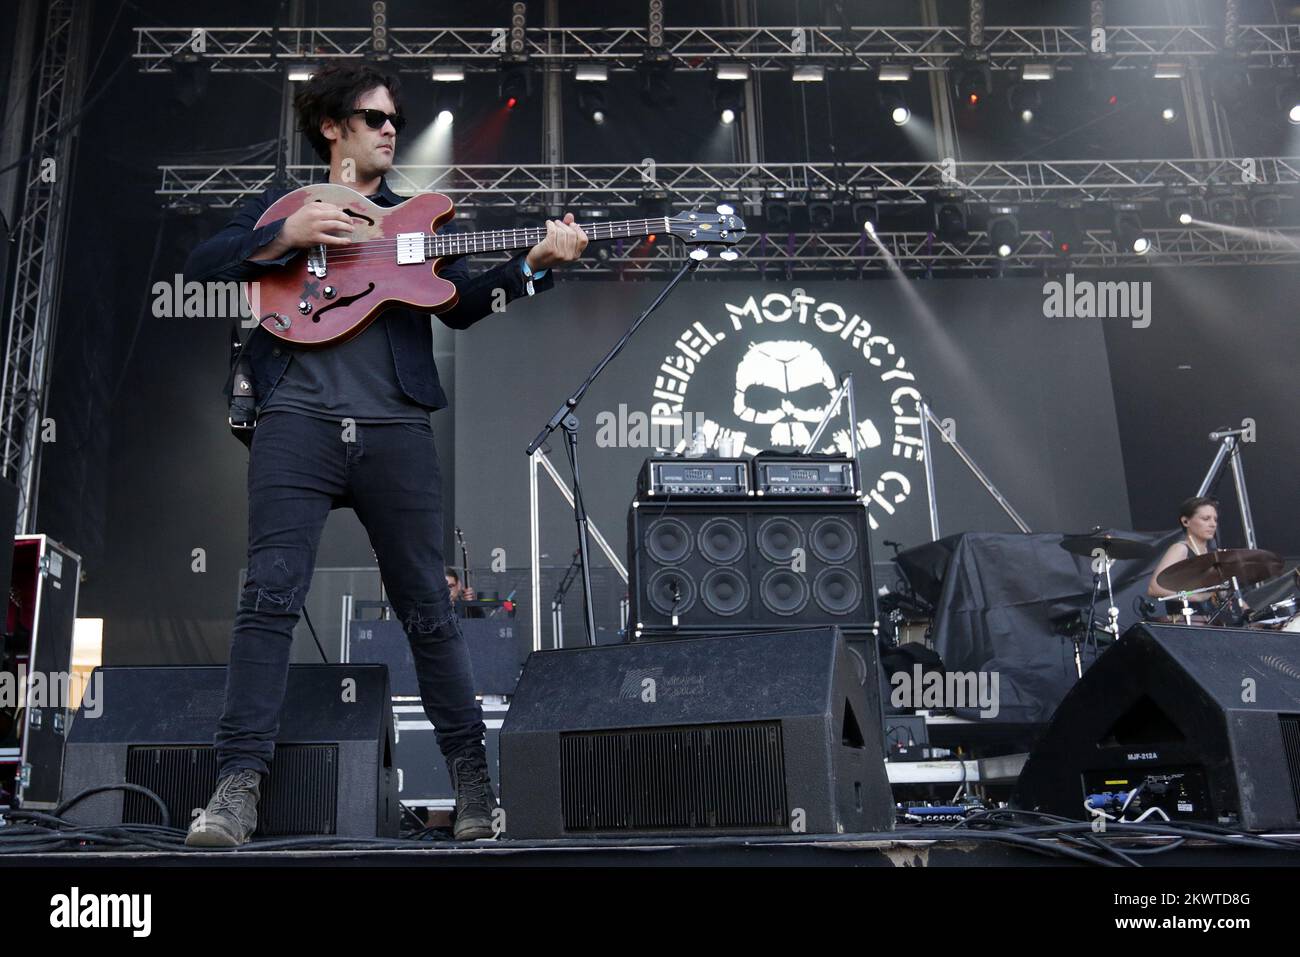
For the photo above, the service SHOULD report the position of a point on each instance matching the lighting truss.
(264, 49)
(689, 185)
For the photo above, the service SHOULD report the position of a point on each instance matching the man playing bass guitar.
(347, 424)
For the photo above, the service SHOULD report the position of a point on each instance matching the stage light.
(1037, 72)
(591, 73)
(448, 73)
(808, 73)
(1023, 98)
(894, 104)
(515, 84)
(1003, 230)
(776, 209)
(1169, 114)
(949, 213)
(591, 101)
(301, 74)
(973, 84)
(728, 116)
(894, 72)
(728, 100)
(1168, 71)
(1223, 209)
(1293, 114)
(1184, 209)
(732, 72)
(1266, 210)
(865, 211)
(821, 210)
(448, 97)
(1129, 234)
(445, 117)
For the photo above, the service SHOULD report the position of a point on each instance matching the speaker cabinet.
(333, 769)
(1205, 721)
(711, 568)
(761, 733)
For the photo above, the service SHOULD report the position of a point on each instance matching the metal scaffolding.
(762, 48)
(688, 184)
(38, 231)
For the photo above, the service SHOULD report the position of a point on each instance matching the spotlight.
(1223, 209)
(895, 105)
(1168, 71)
(1169, 114)
(1003, 230)
(591, 101)
(301, 74)
(1266, 210)
(821, 210)
(950, 216)
(656, 83)
(1129, 234)
(732, 72)
(866, 212)
(1293, 114)
(448, 73)
(728, 99)
(448, 97)
(776, 209)
(1023, 98)
(1184, 209)
(808, 73)
(445, 117)
(1037, 72)
(1287, 95)
(973, 84)
(515, 85)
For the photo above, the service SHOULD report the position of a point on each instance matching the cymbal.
(1248, 565)
(1113, 545)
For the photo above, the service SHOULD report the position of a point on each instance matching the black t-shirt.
(356, 380)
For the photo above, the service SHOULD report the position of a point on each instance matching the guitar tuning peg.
(700, 253)
(730, 255)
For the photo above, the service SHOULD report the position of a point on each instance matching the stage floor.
(917, 848)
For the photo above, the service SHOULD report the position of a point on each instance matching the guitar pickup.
(410, 248)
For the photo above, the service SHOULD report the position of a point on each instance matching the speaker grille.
(299, 797)
(1291, 748)
(709, 777)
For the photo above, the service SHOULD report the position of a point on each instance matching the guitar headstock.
(720, 228)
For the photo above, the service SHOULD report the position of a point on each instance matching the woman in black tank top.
(1199, 517)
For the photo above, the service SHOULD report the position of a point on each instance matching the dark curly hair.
(332, 93)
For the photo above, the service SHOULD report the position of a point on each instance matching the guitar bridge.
(410, 248)
(316, 261)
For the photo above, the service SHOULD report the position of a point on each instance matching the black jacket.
(225, 257)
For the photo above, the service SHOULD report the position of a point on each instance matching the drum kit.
(1209, 588)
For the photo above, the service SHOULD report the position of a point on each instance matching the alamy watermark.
(954, 689)
(1087, 299)
(213, 299)
(54, 689)
(641, 430)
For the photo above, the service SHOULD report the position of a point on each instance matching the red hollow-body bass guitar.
(328, 294)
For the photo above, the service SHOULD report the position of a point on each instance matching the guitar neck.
(509, 240)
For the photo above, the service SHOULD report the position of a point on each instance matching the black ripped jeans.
(299, 469)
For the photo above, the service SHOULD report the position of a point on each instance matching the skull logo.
(786, 385)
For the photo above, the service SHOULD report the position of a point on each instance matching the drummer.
(1199, 516)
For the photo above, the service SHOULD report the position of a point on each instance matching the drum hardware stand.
(1230, 448)
(928, 418)
(565, 418)
(1112, 611)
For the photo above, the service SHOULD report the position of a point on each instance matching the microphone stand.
(564, 418)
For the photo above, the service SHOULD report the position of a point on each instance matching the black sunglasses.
(375, 119)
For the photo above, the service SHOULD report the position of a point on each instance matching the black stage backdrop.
(1073, 419)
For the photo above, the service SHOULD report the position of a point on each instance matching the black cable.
(134, 788)
(314, 636)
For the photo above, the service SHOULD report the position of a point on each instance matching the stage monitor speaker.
(333, 769)
(1203, 722)
(761, 733)
(712, 567)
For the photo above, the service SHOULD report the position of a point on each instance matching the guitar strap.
(243, 403)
